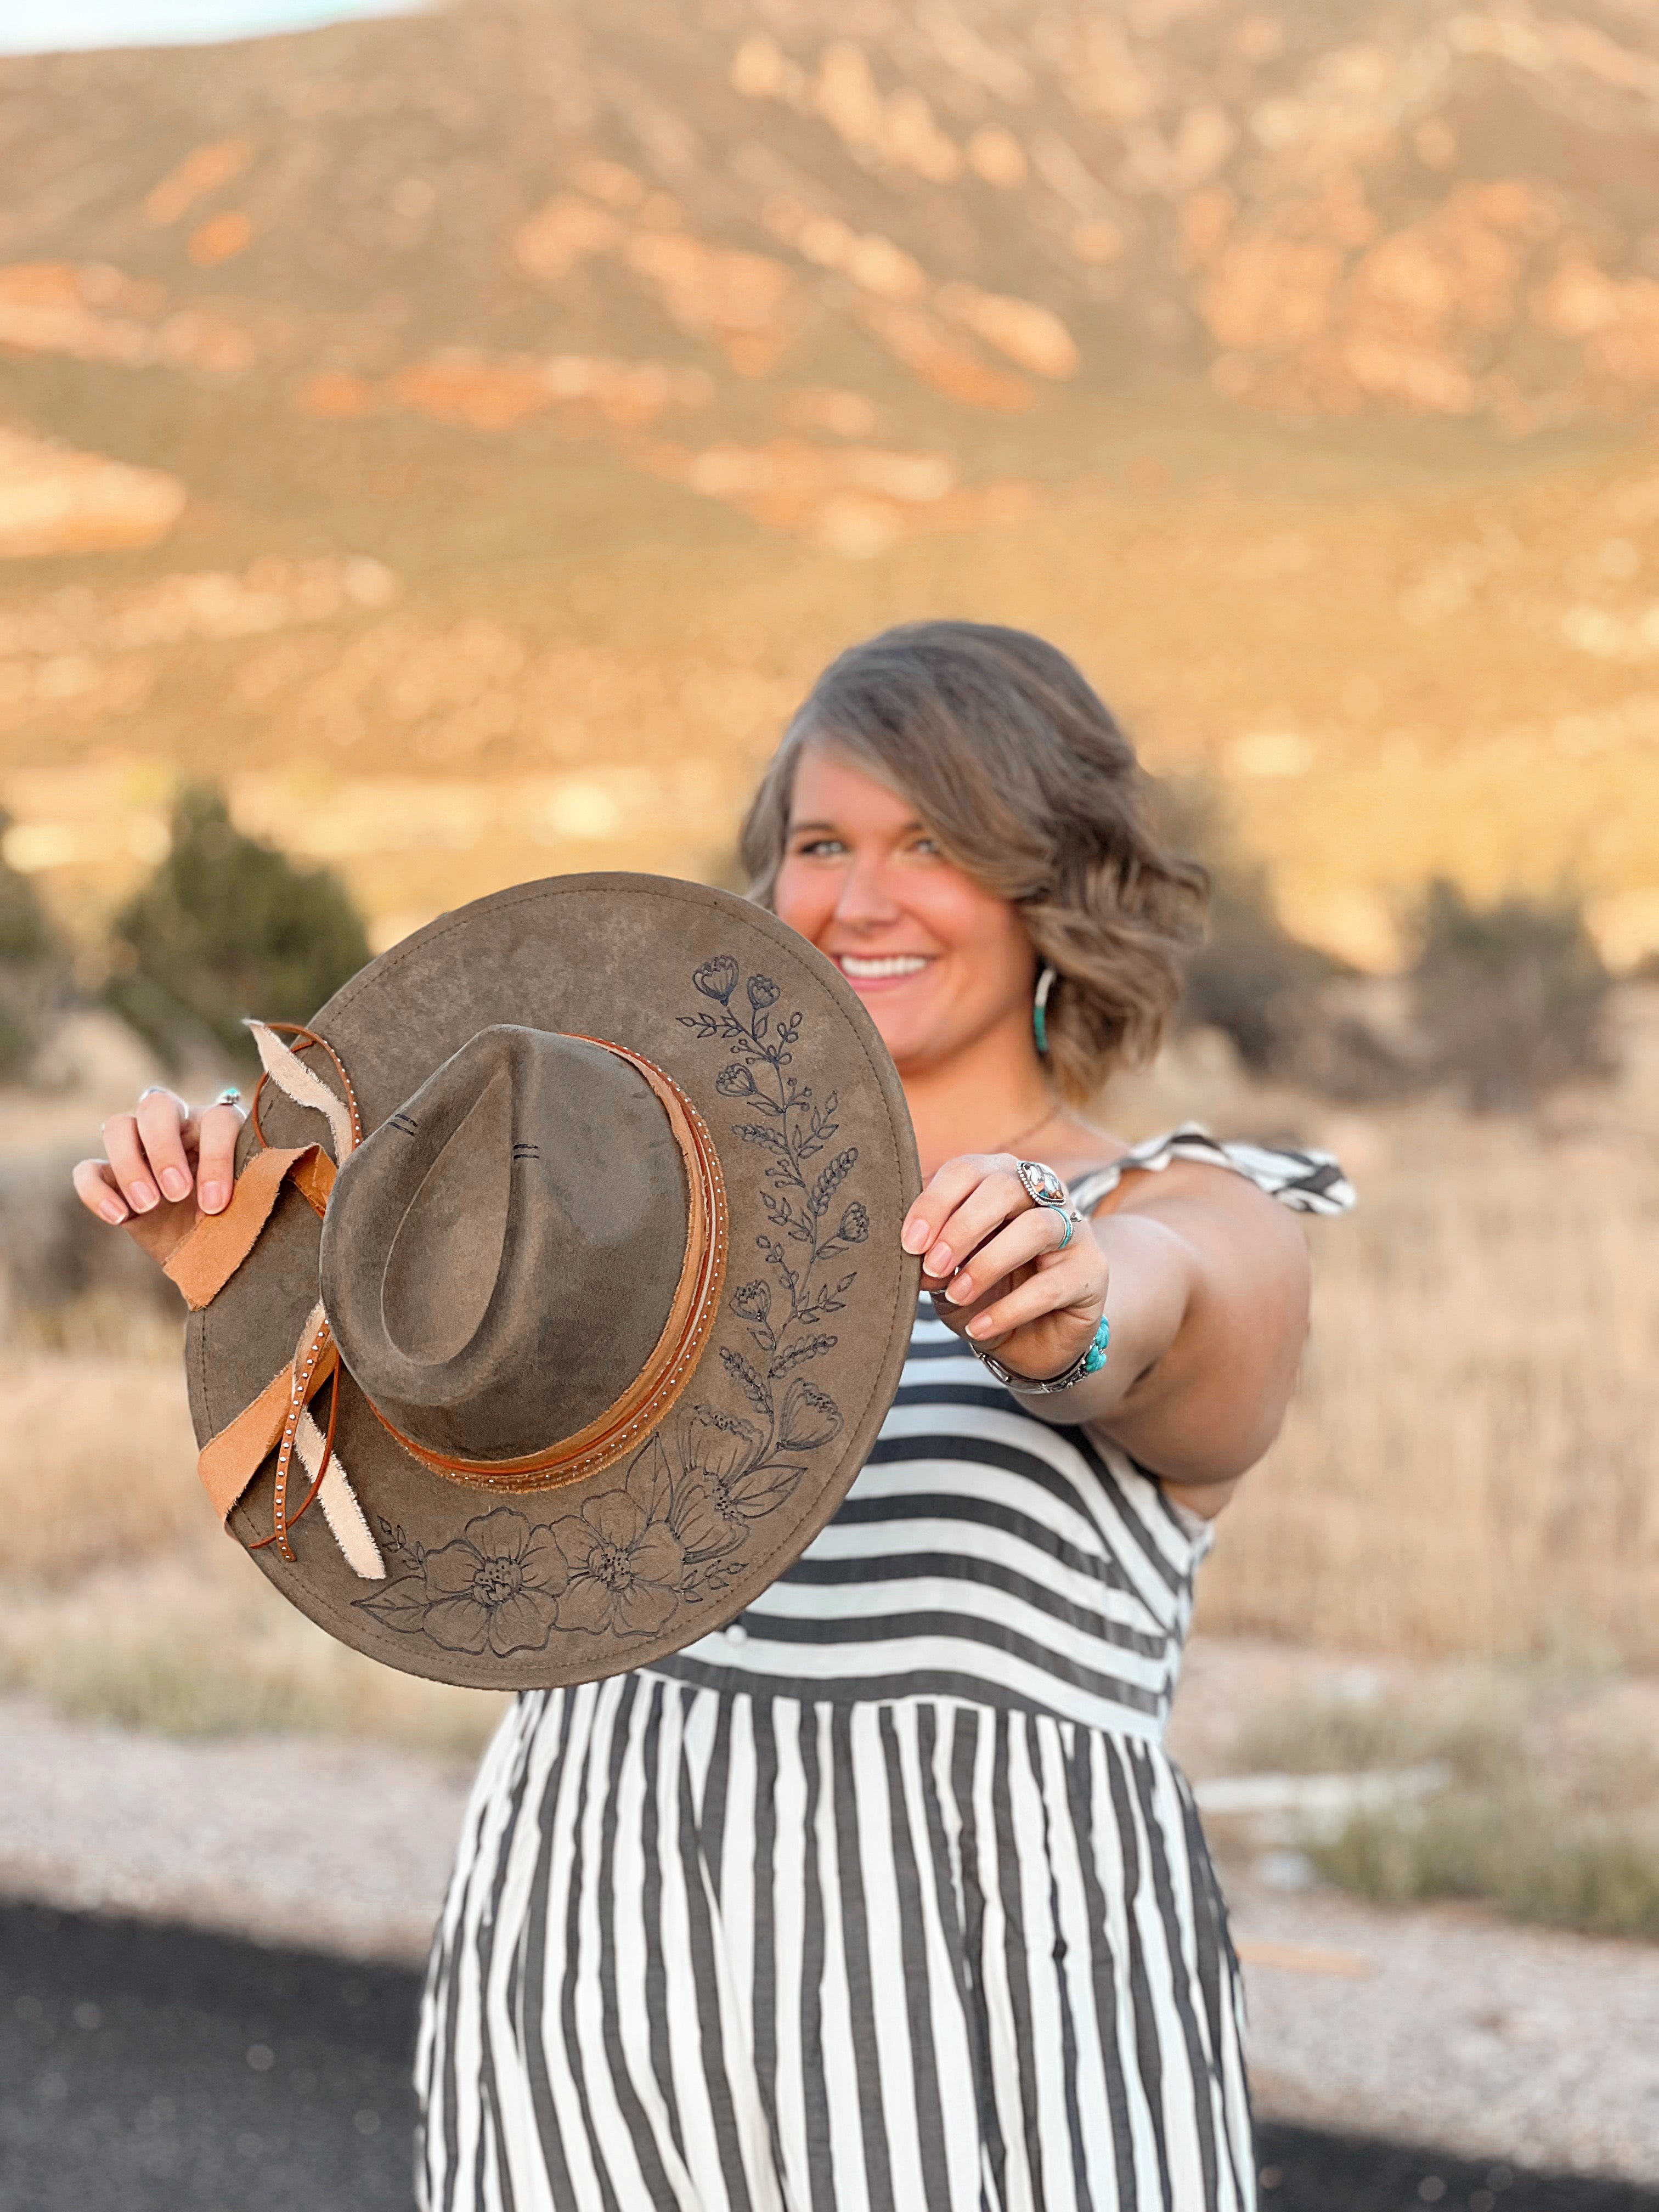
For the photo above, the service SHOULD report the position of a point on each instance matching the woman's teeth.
(872, 971)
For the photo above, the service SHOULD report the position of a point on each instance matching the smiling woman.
(921, 1908)
(887, 1894)
(990, 748)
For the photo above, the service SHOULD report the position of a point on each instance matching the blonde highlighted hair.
(1018, 766)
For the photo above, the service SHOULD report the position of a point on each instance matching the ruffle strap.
(1307, 1181)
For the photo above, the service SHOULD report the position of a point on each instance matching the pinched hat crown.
(517, 1262)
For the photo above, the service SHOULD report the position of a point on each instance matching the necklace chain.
(1013, 1143)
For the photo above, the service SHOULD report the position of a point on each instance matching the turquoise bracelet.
(1088, 1363)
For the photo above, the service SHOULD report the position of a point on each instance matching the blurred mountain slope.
(552, 385)
(1439, 207)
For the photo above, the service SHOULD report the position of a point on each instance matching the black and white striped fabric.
(886, 1898)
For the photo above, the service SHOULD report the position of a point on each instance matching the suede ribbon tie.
(203, 1261)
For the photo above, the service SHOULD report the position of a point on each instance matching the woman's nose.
(867, 897)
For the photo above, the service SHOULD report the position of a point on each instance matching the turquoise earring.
(1045, 981)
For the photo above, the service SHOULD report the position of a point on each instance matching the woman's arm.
(1203, 1278)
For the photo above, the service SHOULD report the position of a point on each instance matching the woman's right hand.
(164, 1167)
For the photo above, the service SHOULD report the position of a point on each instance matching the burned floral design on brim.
(622, 1564)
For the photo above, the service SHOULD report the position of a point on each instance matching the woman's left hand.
(991, 1257)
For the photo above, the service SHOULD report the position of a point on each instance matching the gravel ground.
(1443, 2026)
(1450, 2026)
(331, 1846)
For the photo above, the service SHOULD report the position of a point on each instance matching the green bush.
(1479, 1743)
(228, 926)
(33, 968)
(1511, 999)
(1250, 978)
(1507, 1826)
(1534, 1858)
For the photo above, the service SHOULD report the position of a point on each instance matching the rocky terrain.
(625, 214)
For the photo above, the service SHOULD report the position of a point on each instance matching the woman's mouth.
(889, 967)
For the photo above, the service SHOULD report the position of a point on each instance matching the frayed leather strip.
(228, 1462)
(201, 1262)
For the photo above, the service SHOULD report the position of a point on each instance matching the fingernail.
(175, 1182)
(212, 1196)
(143, 1197)
(938, 1262)
(980, 1327)
(960, 1290)
(113, 1211)
(915, 1236)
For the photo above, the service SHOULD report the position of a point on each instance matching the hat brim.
(633, 1562)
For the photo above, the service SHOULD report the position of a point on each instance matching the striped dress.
(886, 1898)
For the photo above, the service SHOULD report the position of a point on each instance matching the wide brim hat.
(561, 1296)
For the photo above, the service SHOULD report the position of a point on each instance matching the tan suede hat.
(578, 1328)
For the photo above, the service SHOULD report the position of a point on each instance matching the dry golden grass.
(96, 1463)
(1469, 1466)
(121, 1599)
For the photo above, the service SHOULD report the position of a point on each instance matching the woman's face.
(939, 961)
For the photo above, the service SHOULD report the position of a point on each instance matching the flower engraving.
(810, 1418)
(670, 1534)
(495, 1588)
(736, 1470)
(626, 1563)
(717, 978)
(728, 1478)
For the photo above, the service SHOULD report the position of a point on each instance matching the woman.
(887, 1895)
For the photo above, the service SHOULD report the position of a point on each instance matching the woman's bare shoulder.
(1081, 1148)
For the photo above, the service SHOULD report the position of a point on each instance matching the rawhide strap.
(203, 1261)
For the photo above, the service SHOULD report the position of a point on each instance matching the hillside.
(466, 435)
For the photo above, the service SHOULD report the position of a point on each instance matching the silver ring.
(152, 1090)
(230, 1096)
(1046, 1189)
(1042, 1185)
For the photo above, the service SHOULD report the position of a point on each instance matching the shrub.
(228, 926)
(1511, 999)
(1508, 1824)
(33, 968)
(1250, 978)
(1532, 1856)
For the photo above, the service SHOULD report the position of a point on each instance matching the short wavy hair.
(1017, 765)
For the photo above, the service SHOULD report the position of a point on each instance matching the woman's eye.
(819, 849)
